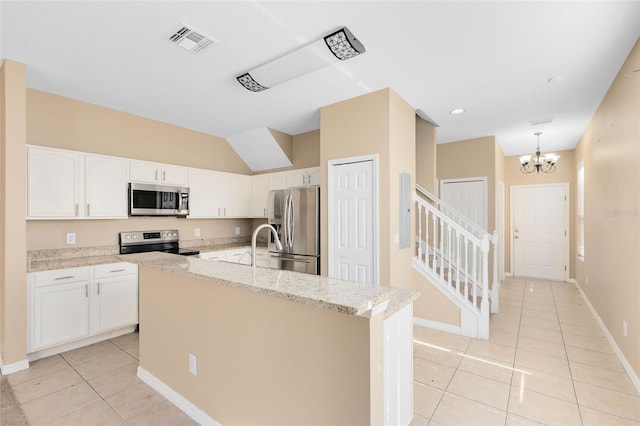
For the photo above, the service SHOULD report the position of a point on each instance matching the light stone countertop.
(343, 296)
(338, 295)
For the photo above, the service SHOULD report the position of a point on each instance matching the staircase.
(453, 254)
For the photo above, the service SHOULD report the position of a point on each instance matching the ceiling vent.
(191, 39)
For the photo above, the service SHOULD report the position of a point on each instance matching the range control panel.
(148, 237)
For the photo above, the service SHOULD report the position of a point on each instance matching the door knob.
(516, 237)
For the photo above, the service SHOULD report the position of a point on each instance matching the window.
(580, 211)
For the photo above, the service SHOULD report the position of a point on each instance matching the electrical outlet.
(71, 237)
(197, 232)
(237, 230)
(193, 364)
(624, 328)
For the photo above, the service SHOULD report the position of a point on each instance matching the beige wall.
(471, 158)
(51, 234)
(285, 141)
(13, 190)
(305, 148)
(379, 123)
(426, 155)
(610, 150)
(255, 364)
(66, 123)
(565, 173)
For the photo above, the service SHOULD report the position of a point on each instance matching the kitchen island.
(276, 348)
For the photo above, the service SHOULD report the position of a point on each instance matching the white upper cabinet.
(236, 190)
(217, 194)
(65, 184)
(54, 177)
(164, 174)
(303, 177)
(105, 186)
(277, 180)
(205, 193)
(259, 195)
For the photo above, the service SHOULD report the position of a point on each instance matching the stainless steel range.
(144, 241)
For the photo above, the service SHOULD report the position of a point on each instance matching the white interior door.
(468, 197)
(352, 222)
(539, 231)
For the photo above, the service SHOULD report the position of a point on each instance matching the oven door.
(158, 200)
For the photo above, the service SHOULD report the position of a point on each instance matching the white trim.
(623, 360)
(500, 227)
(421, 322)
(176, 399)
(485, 196)
(376, 209)
(377, 309)
(567, 224)
(33, 356)
(7, 369)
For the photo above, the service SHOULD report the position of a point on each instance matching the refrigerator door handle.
(291, 222)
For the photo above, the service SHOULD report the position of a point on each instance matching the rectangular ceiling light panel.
(339, 45)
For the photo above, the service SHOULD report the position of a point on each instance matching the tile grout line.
(564, 344)
(524, 294)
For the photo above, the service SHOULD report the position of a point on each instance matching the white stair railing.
(454, 252)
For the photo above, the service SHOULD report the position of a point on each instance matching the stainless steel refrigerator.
(295, 214)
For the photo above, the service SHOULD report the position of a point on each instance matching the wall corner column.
(13, 190)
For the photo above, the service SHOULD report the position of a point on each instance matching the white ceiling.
(493, 59)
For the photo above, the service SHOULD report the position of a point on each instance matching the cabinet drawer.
(212, 255)
(61, 276)
(242, 256)
(115, 269)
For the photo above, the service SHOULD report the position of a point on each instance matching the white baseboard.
(176, 399)
(33, 356)
(7, 369)
(623, 360)
(421, 322)
(508, 274)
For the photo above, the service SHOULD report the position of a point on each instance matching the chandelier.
(545, 163)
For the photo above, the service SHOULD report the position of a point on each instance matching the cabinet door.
(174, 175)
(205, 193)
(259, 195)
(313, 176)
(237, 194)
(53, 182)
(296, 178)
(144, 171)
(277, 180)
(116, 302)
(105, 186)
(61, 314)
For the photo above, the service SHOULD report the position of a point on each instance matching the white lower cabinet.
(61, 314)
(239, 255)
(116, 296)
(66, 305)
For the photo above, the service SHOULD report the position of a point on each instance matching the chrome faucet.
(253, 242)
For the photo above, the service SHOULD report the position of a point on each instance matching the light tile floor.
(547, 362)
(94, 385)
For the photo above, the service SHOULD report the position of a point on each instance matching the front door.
(540, 244)
(352, 222)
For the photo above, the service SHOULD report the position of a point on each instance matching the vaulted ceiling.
(513, 66)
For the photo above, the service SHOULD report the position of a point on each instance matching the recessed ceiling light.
(456, 111)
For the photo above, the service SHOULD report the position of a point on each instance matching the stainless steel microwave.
(158, 200)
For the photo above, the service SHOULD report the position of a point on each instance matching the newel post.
(495, 285)
(484, 304)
